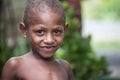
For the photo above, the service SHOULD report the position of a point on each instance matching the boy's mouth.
(49, 48)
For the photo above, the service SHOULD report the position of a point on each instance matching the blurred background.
(91, 45)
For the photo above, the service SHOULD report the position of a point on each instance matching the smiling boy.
(44, 26)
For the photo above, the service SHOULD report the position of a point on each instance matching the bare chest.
(42, 73)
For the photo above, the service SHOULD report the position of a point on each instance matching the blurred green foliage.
(102, 9)
(77, 50)
(111, 46)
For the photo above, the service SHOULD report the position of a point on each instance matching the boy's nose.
(49, 39)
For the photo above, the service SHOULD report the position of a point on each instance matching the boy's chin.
(50, 57)
(47, 56)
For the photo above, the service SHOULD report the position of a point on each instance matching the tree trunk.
(8, 26)
(77, 5)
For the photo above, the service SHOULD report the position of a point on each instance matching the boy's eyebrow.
(43, 26)
(59, 26)
(40, 25)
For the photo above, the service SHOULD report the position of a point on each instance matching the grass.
(112, 46)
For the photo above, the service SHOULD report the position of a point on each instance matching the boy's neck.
(37, 56)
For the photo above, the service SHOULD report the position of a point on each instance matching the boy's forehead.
(47, 17)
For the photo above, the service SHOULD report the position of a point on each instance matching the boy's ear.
(66, 27)
(23, 29)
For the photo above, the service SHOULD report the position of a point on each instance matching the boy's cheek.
(60, 40)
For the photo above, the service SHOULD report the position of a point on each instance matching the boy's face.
(46, 35)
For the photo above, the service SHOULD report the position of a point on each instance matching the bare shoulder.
(65, 63)
(68, 68)
(15, 62)
(10, 68)
(12, 62)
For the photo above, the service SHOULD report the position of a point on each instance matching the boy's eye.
(57, 32)
(40, 32)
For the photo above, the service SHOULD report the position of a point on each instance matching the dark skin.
(45, 38)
